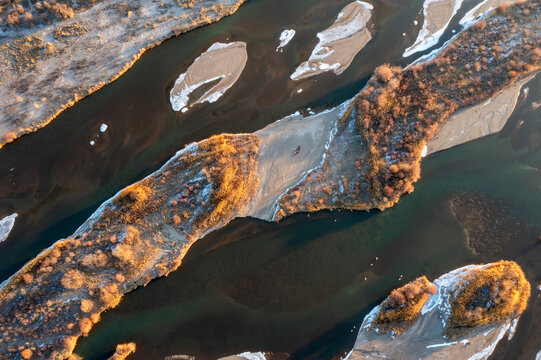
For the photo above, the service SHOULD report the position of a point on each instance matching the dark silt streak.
(54, 179)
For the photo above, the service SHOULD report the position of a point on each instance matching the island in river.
(369, 159)
(71, 49)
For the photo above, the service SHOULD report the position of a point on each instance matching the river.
(303, 285)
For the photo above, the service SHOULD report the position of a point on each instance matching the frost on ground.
(285, 38)
(339, 43)
(437, 16)
(219, 67)
(6, 224)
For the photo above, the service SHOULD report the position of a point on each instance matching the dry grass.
(404, 305)
(123, 351)
(400, 109)
(498, 292)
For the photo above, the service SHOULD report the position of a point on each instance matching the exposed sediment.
(477, 121)
(220, 66)
(465, 316)
(339, 43)
(363, 155)
(437, 16)
(79, 50)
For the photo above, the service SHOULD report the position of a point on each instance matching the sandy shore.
(339, 43)
(482, 8)
(425, 338)
(223, 63)
(437, 16)
(289, 149)
(477, 121)
(72, 58)
(341, 161)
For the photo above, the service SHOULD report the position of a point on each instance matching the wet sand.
(437, 16)
(477, 121)
(339, 43)
(481, 9)
(223, 63)
(289, 149)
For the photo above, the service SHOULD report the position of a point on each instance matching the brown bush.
(87, 305)
(494, 293)
(384, 73)
(26, 354)
(27, 278)
(122, 351)
(73, 279)
(404, 305)
(85, 325)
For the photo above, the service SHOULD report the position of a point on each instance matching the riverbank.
(146, 229)
(74, 56)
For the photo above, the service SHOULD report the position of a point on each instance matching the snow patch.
(285, 38)
(424, 151)
(6, 224)
(252, 356)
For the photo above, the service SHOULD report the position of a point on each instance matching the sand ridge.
(339, 44)
(223, 63)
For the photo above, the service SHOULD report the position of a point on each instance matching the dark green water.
(298, 286)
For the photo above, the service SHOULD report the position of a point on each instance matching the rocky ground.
(72, 52)
(365, 154)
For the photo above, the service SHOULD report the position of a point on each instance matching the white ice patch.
(180, 93)
(327, 37)
(285, 38)
(103, 128)
(426, 39)
(6, 224)
(180, 100)
(252, 356)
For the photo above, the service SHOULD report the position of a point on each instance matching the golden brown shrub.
(87, 305)
(85, 325)
(123, 351)
(497, 292)
(404, 304)
(73, 279)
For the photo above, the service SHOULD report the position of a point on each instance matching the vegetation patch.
(404, 305)
(495, 292)
(400, 109)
